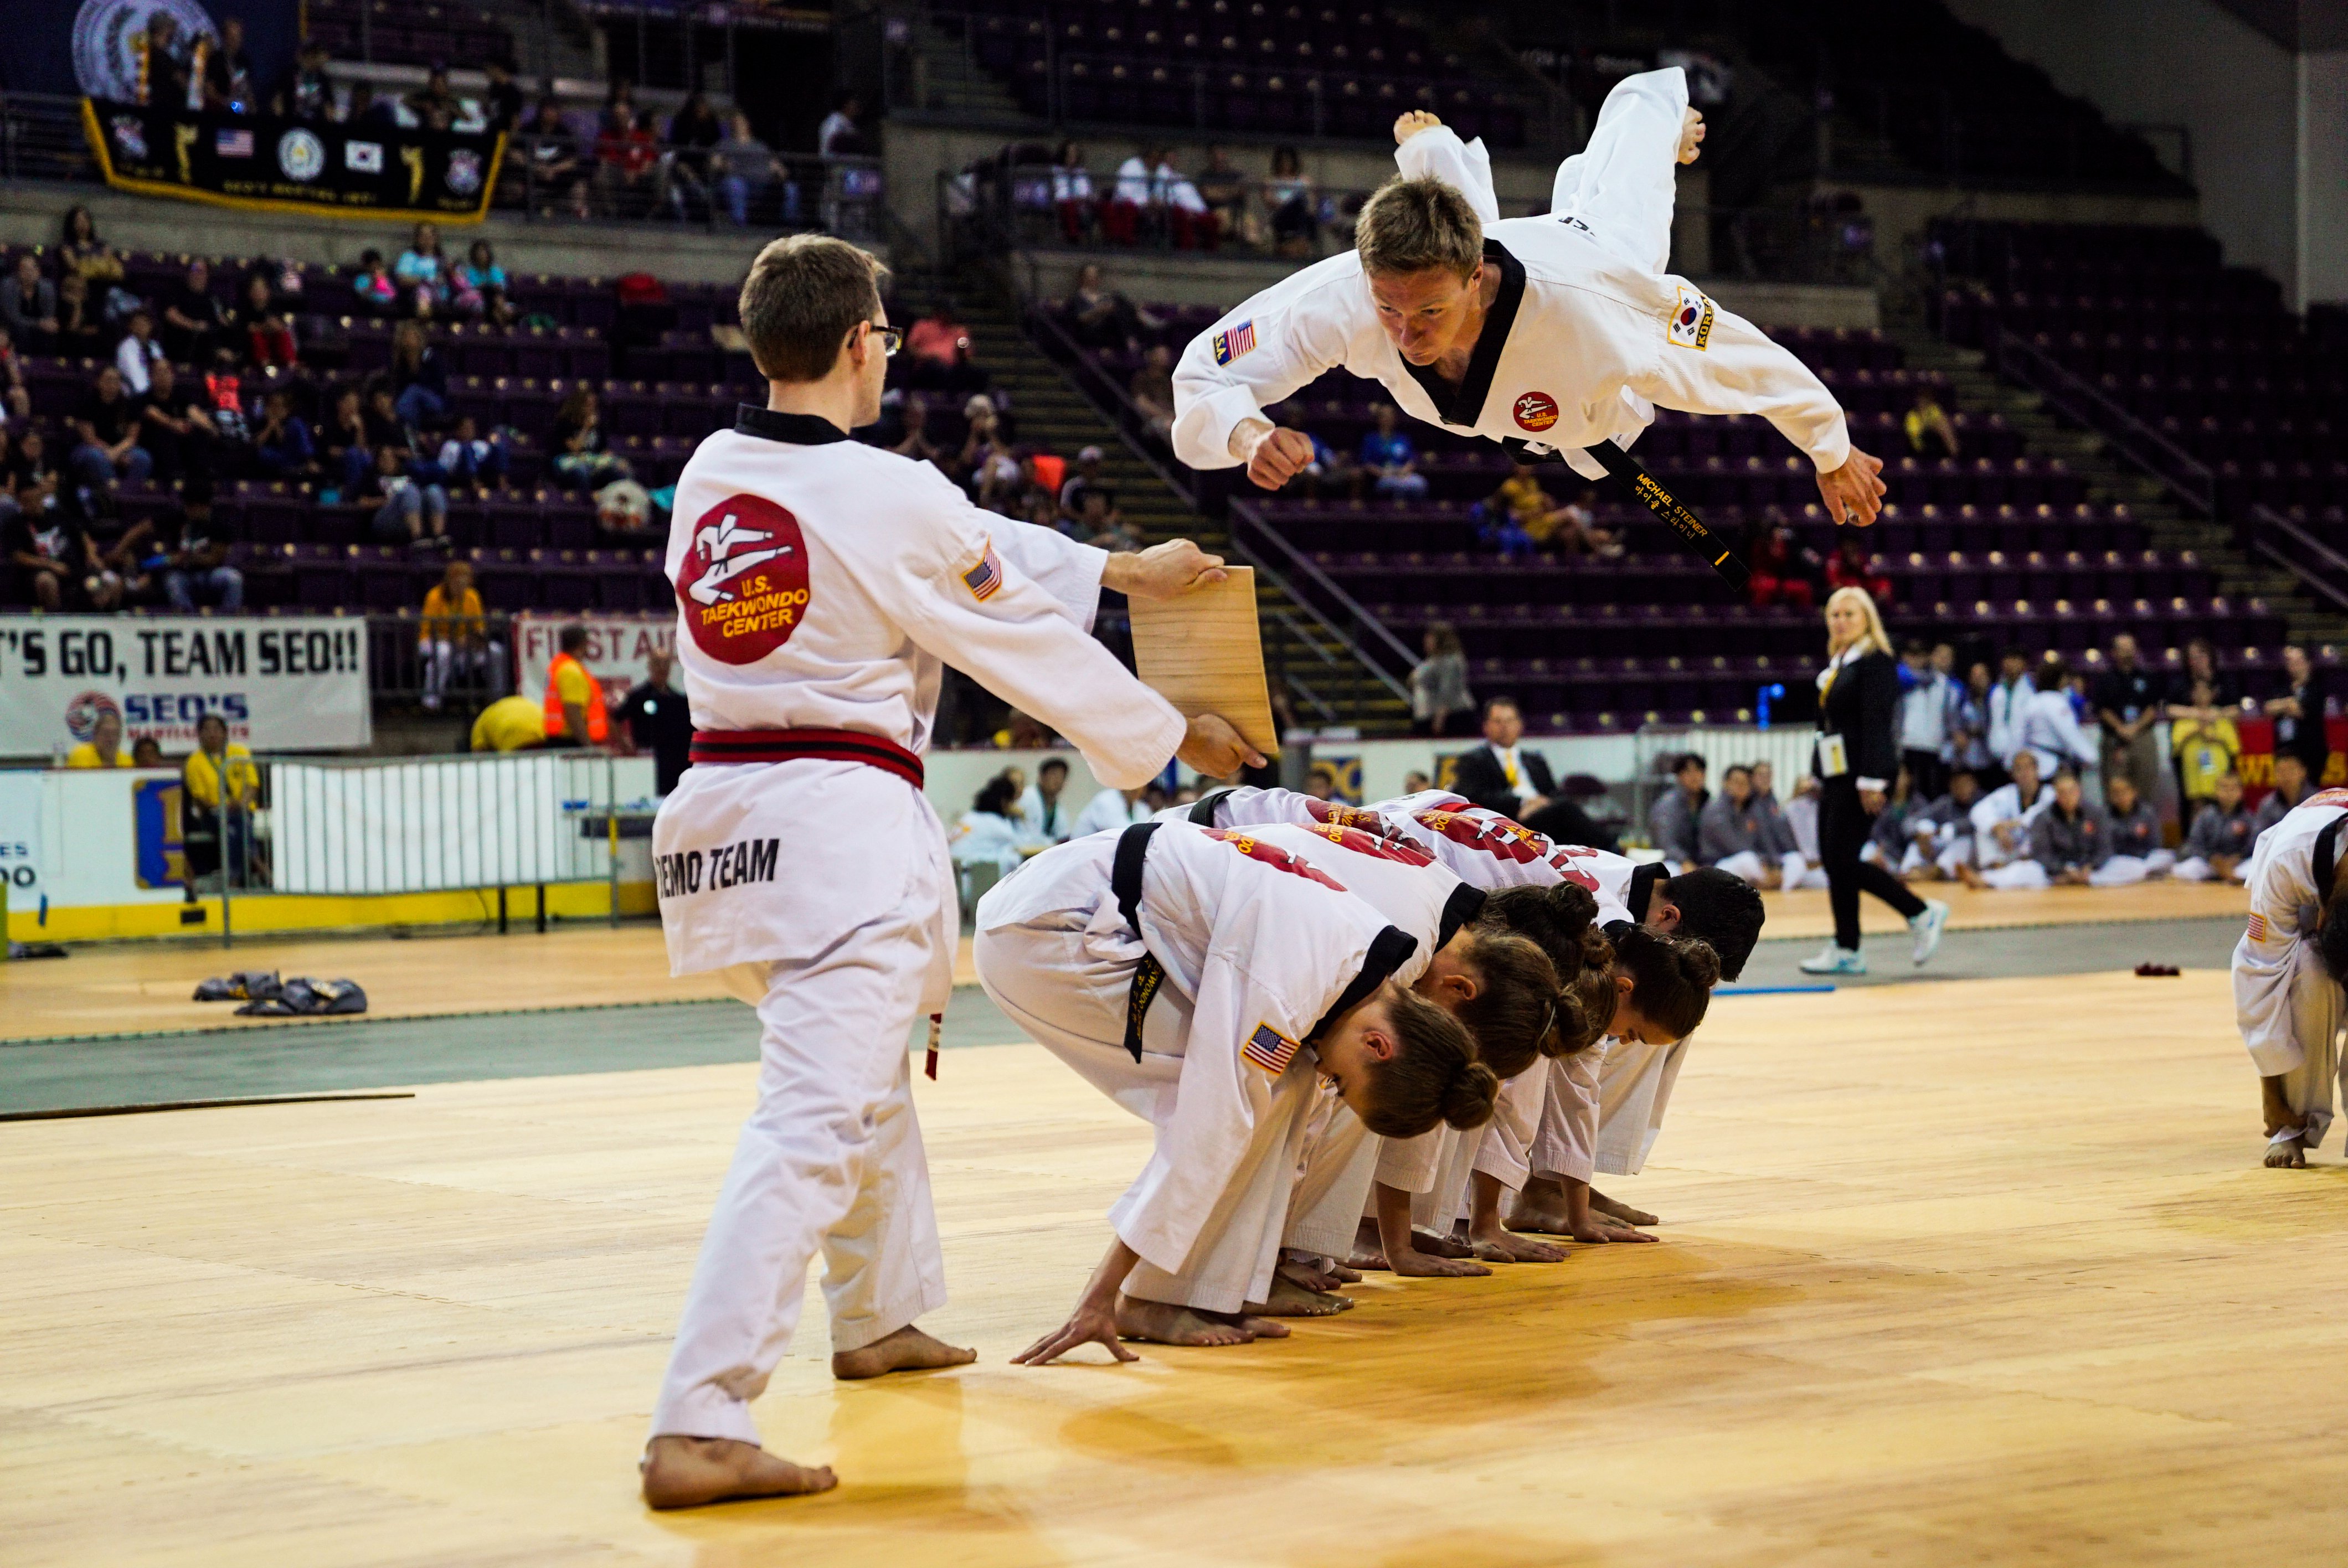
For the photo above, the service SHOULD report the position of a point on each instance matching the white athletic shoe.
(1928, 927)
(1835, 960)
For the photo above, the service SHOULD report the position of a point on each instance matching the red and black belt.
(726, 747)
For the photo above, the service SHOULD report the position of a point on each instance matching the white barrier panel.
(297, 683)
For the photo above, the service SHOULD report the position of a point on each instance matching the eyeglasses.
(892, 340)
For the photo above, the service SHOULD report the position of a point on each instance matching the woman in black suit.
(1856, 760)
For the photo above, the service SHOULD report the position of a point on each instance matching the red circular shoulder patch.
(744, 583)
(1536, 411)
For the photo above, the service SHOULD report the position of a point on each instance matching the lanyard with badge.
(1834, 752)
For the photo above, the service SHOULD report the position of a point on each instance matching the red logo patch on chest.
(744, 583)
(1536, 411)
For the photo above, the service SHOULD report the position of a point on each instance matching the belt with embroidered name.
(722, 747)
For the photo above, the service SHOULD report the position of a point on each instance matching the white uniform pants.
(831, 1160)
(2127, 870)
(2016, 877)
(2195, 869)
(1070, 996)
(1623, 184)
(2319, 1012)
(1634, 1087)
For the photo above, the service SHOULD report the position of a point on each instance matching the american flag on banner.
(233, 143)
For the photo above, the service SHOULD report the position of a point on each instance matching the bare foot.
(1345, 1275)
(1163, 1323)
(1261, 1328)
(1499, 1246)
(1598, 1231)
(1616, 1209)
(1370, 1258)
(1969, 877)
(1289, 1299)
(907, 1350)
(1540, 1219)
(1420, 1265)
(2288, 1154)
(1691, 136)
(1435, 1246)
(1312, 1277)
(686, 1472)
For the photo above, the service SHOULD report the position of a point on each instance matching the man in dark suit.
(1500, 775)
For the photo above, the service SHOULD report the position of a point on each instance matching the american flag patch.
(984, 577)
(1269, 1049)
(2257, 929)
(1230, 345)
(233, 143)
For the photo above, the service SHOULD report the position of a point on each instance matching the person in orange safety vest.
(574, 698)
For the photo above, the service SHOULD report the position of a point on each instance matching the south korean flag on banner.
(363, 157)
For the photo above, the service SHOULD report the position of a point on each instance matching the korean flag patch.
(1239, 341)
(1690, 322)
(984, 577)
(1270, 1050)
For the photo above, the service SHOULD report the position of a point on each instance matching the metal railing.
(2088, 407)
(1318, 594)
(2321, 568)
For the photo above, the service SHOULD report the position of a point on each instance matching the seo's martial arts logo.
(1536, 411)
(84, 712)
(744, 583)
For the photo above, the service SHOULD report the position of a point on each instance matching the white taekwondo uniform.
(1258, 946)
(2289, 1008)
(821, 587)
(1599, 1109)
(1587, 336)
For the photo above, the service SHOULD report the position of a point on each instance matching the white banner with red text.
(619, 649)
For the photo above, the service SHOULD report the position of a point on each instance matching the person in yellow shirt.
(221, 771)
(509, 724)
(454, 639)
(574, 698)
(2206, 744)
(103, 747)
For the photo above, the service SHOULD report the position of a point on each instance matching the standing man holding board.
(1562, 331)
(822, 586)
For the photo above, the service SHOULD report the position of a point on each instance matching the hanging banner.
(619, 649)
(260, 162)
(295, 684)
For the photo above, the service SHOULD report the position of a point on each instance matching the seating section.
(1230, 64)
(396, 33)
(2204, 354)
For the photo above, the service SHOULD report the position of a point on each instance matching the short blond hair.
(1874, 637)
(804, 295)
(1417, 225)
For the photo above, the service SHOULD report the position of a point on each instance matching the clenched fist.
(1278, 457)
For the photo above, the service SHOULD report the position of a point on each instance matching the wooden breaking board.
(1203, 652)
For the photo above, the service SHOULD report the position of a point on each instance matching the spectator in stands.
(375, 292)
(422, 273)
(693, 131)
(1390, 458)
(2126, 705)
(268, 335)
(627, 153)
(1438, 684)
(195, 557)
(453, 638)
(2218, 846)
(916, 442)
(2050, 726)
(1782, 569)
(45, 545)
(350, 454)
(434, 104)
(840, 136)
(383, 426)
(308, 94)
(478, 286)
(103, 747)
(1941, 832)
(1728, 832)
(1133, 199)
(1191, 223)
(147, 752)
(1674, 821)
(368, 115)
(2009, 700)
(419, 379)
(2291, 785)
(1152, 388)
(15, 398)
(468, 457)
(409, 510)
(81, 328)
(1043, 818)
(2298, 714)
(1225, 191)
(220, 392)
(282, 445)
(1969, 720)
(193, 318)
(1930, 432)
(164, 76)
(1923, 724)
(937, 349)
(1501, 774)
(1085, 480)
(82, 254)
(551, 165)
(30, 460)
(745, 169)
(2133, 847)
(2205, 742)
(28, 305)
(108, 425)
(1100, 317)
(1072, 192)
(1330, 473)
(2201, 665)
(136, 355)
(176, 430)
(227, 85)
(501, 100)
(1291, 205)
(658, 722)
(220, 787)
(582, 459)
(2002, 827)
(1849, 567)
(994, 468)
(2070, 841)
(986, 835)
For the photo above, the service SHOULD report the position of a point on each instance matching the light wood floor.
(1973, 1272)
(129, 988)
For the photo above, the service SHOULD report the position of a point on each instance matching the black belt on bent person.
(1125, 887)
(729, 746)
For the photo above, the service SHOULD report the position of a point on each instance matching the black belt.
(1203, 813)
(1650, 493)
(1125, 887)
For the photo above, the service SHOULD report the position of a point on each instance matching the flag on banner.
(233, 143)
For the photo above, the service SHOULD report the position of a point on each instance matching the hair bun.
(1470, 1099)
(1699, 963)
